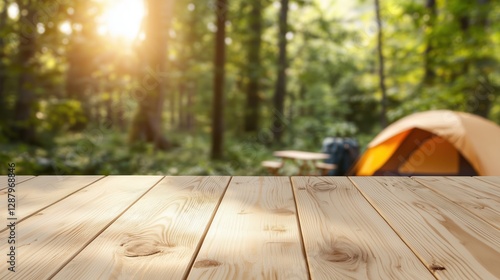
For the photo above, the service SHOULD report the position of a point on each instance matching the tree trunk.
(24, 129)
(108, 103)
(254, 68)
(192, 36)
(280, 90)
(120, 114)
(480, 100)
(77, 73)
(383, 113)
(147, 123)
(173, 109)
(219, 61)
(429, 73)
(181, 124)
(80, 56)
(78, 77)
(190, 106)
(3, 67)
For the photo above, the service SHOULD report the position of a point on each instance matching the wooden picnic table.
(304, 160)
(155, 227)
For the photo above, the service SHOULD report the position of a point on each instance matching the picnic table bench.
(306, 161)
(221, 227)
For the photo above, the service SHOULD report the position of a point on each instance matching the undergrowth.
(106, 152)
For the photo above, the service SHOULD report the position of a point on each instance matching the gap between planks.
(102, 230)
(53, 203)
(420, 258)
(453, 242)
(202, 239)
(492, 180)
(253, 234)
(17, 183)
(455, 199)
(301, 235)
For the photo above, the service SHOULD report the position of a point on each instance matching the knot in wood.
(339, 256)
(343, 251)
(206, 263)
(435, 267)
(141, 248)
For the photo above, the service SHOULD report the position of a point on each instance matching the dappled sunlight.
(157, 236)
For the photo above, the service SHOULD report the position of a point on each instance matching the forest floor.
(106, 152)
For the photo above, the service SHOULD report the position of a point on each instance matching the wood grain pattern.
(19, 180)
(345, 238)
(254, 234)
(46, 241)
(42, 191)
(494, 180)
(157, 238)
(449, 239)
(477, 196)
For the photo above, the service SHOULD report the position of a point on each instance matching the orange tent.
(434, 143)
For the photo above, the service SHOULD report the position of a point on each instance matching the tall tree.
(480, 100)
(24, 129)
(383, 113)
(221, 9)
(254, 67)
(280, 89)
(147, 122)
(80, 56)
(429, 71)
(3, 68)
(185, 66)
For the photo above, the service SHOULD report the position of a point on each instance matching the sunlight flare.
(122, 18)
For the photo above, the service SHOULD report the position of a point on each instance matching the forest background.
(205, 87)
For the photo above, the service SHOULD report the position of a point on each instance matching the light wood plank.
(42, 191)
(157, 238)
(478, 197)
(46, 241)
(19, 179)
(451, 241)
(254, 234)
(345, 238)
(494, 180)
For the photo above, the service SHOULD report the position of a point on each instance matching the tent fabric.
(434, 154)
(441, 142)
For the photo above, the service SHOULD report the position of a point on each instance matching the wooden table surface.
(300, 155)
(155, 227)
(304, 160)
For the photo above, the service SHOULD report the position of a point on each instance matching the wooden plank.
(46, 241)
(478, 197)
(157, 238)
(19, 179)
(254, 234)
(450, 240)
(494, 180)
(345, 238)
(42, 191)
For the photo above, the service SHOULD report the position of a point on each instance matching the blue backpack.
(343, 153)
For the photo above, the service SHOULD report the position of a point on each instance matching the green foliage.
(86, 79)
(102, 151)
(58, 115)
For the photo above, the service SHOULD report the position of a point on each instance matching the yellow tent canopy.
(438, 142)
